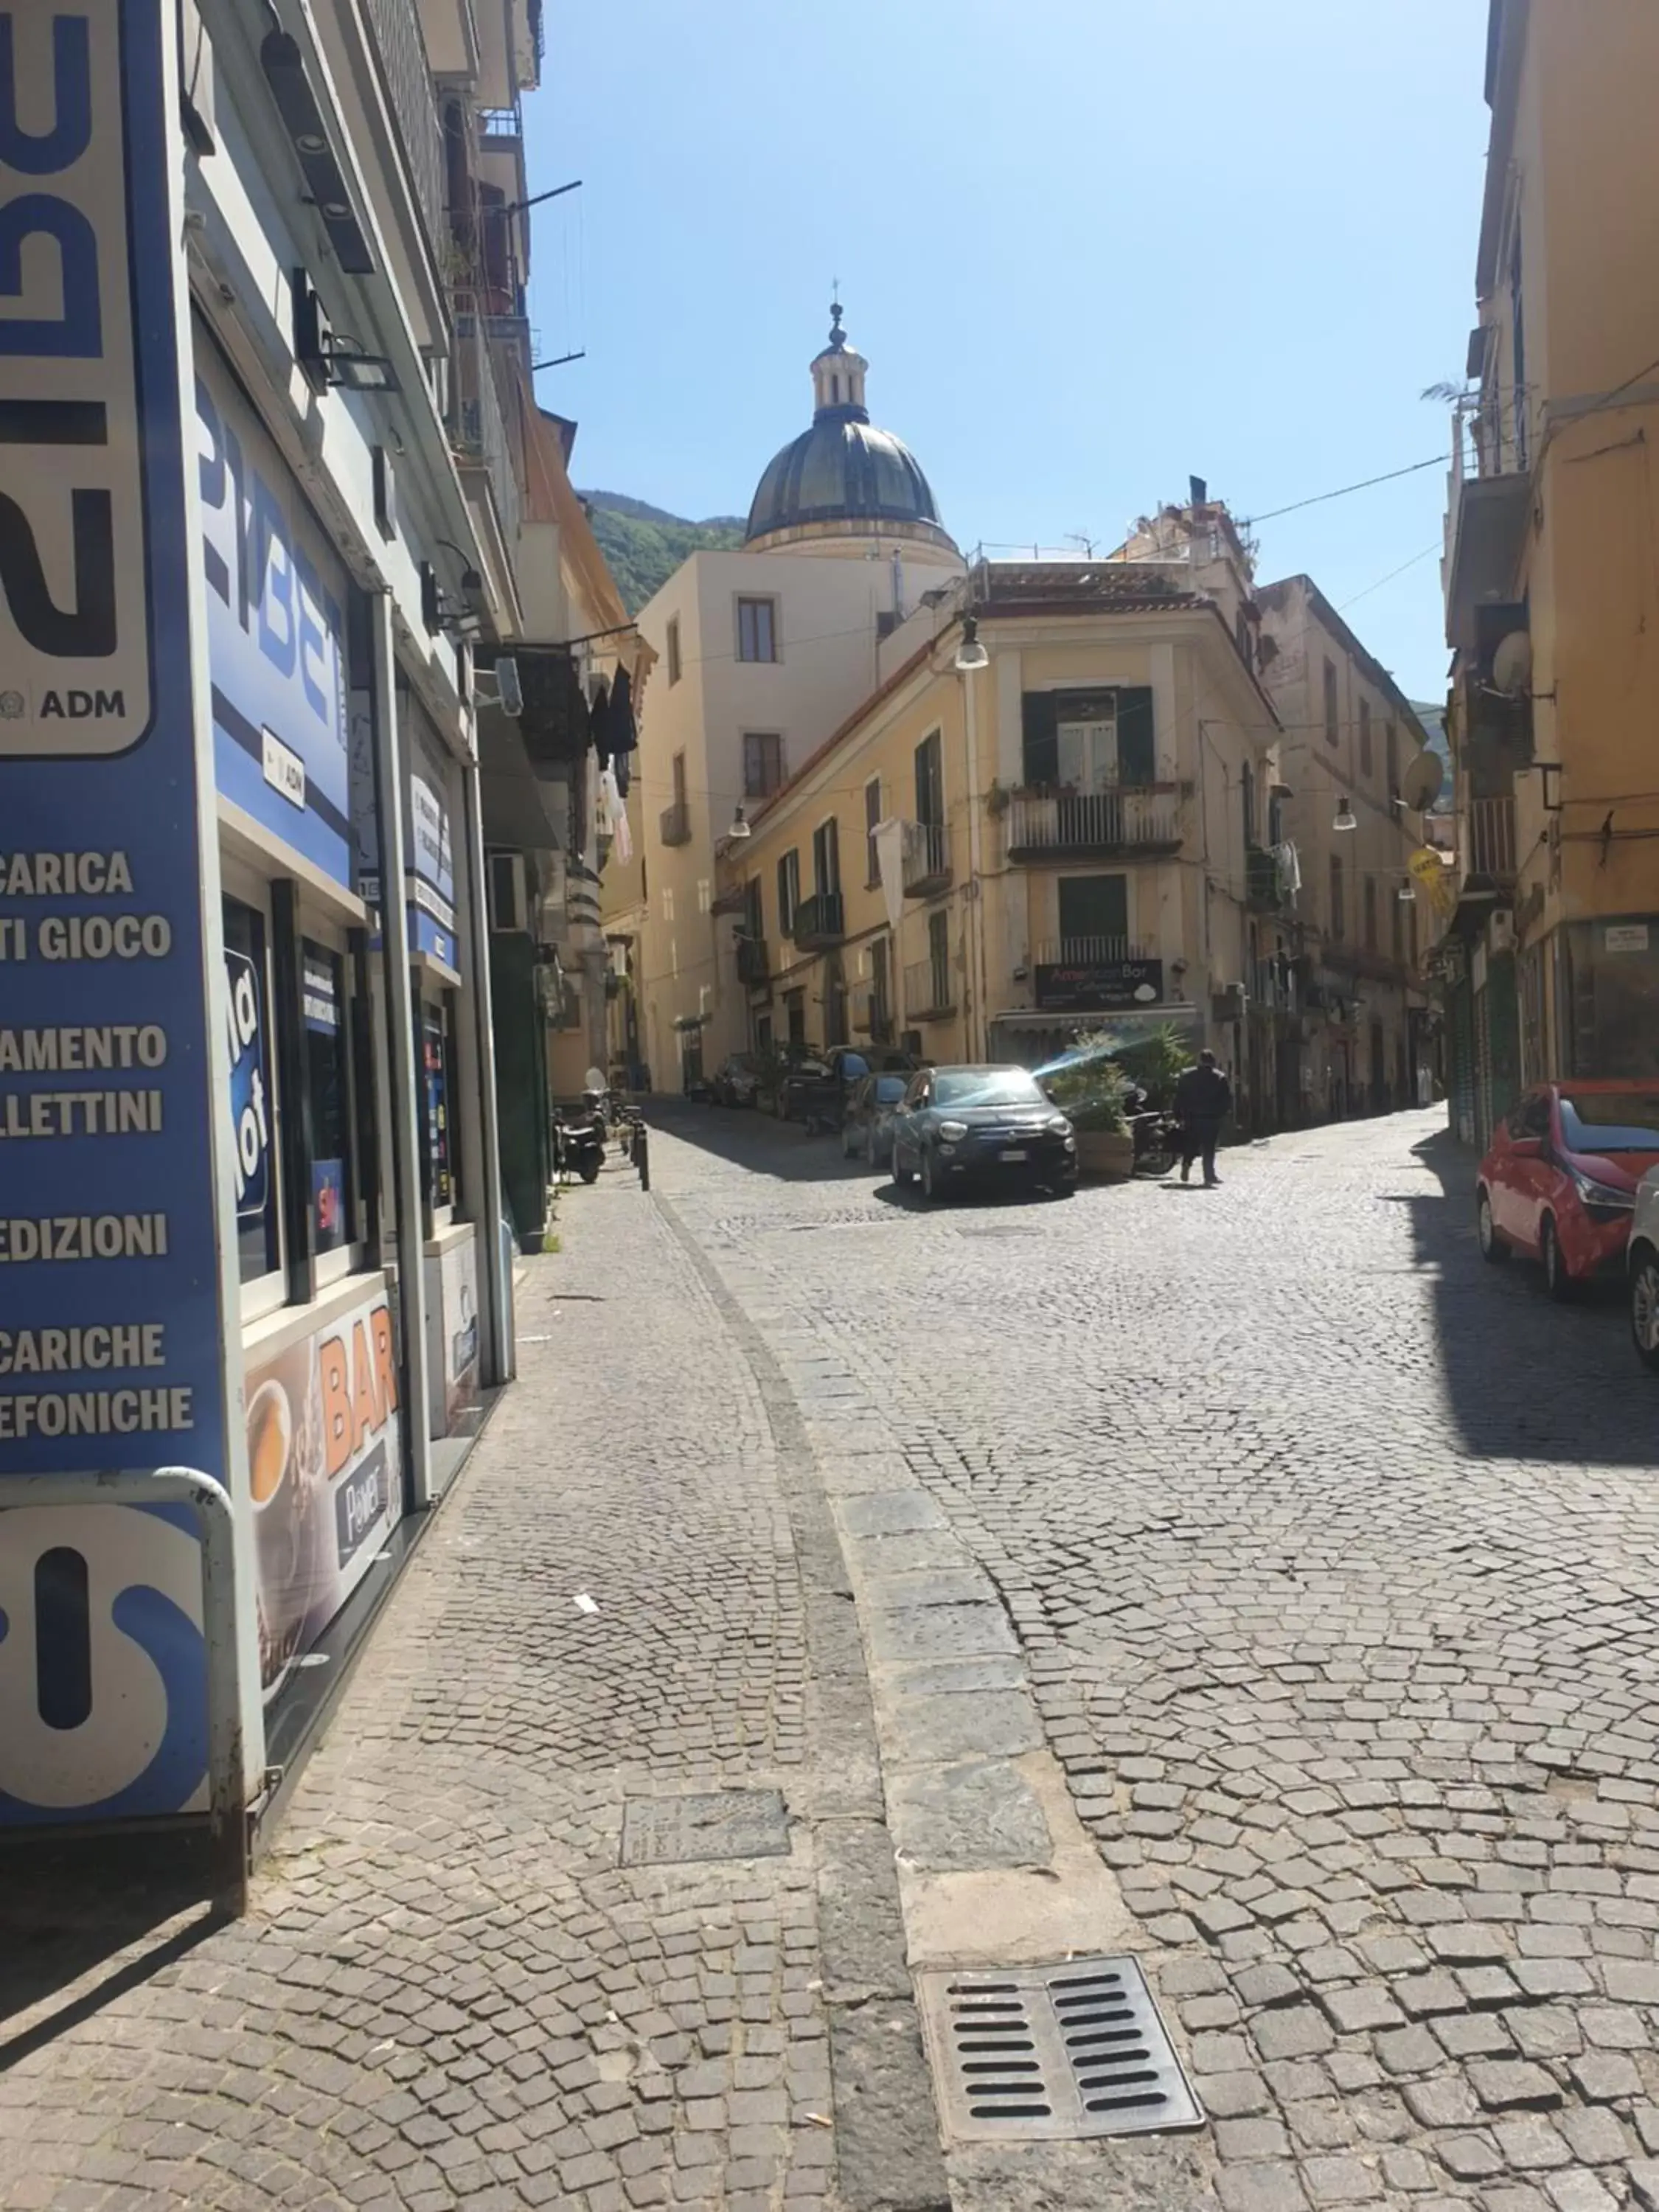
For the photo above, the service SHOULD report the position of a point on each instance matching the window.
(437, 1050)
(1247, 798)
(1368, 900)
(252, 1104)
(794, 1007)
(1332, 729)
(930, 783)
(763, 763)
(328, 1094)
(1276, 819)
(1089, 741)
(1094, 918)
(506, 893)
(667, 902)
(871, 816)
(757, 629)
(939, 956)
(673, 648)
(754, 909)
(1365, 737)
(1339, 910)
(1397, 926)
(880, 995)
(788, 891)
(1391, 759)
(826, 858)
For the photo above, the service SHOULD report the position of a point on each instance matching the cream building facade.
(1552, 965)
(760, 654)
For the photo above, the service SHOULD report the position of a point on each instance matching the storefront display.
(326, 1474)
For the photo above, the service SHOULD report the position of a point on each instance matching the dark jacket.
(1203, 1094)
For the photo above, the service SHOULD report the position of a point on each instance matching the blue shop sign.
(275, 607)
(110, 1346)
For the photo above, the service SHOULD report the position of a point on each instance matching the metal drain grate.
(1052, 2051)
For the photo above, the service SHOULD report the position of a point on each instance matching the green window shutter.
(1042, 751)
(1093, 906)
(1137, 756)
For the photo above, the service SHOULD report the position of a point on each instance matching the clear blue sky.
(1089, 247)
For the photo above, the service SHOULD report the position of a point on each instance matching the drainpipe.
(498, 1363)
(407, 1218)
(976, 1040)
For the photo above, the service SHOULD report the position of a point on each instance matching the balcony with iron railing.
(926, 858)
(400, 45)
(1133, 819)
(1489, 840)
(478, 429)
(674, 824)
(818, 922)
(1488, 501)
(928, 993)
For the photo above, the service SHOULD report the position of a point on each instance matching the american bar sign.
(1099, 987)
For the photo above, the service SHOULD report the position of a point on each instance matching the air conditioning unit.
(1227, 1005)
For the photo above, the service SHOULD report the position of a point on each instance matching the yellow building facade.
(982, 859)
(1552, 965)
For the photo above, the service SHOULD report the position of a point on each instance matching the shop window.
(252, 1101)
(437, 1076)
(328, 1095)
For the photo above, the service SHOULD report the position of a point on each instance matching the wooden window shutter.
(1137, 755)
(1042, 749)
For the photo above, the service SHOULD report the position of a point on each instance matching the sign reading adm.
(75, 613)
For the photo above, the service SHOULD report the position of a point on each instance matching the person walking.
(1203, 1100)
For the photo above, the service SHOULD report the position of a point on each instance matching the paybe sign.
(112, 1334)
(74, 644)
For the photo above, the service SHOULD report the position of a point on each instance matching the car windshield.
(986, 1086)
(890, 1089)
(1611, 1121)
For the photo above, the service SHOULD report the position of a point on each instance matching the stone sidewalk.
(454, 1987)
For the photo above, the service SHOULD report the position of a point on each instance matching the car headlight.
(953, 1132)
(1603, 1194)
(1057, 1123)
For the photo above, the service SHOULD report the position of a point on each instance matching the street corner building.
(966, 808)
(1548, 965)
(273, 471)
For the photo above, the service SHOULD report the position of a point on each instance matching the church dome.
(844, 477)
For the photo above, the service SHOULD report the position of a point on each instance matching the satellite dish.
(1511, 664)
(1420, 784)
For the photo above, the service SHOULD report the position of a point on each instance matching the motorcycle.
(579, 1146)
(1156, 1141)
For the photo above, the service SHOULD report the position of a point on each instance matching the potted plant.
(1091, 1095)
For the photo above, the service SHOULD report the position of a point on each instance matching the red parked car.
(1559, 1181)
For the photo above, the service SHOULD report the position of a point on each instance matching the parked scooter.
(579, 1145)
(1156, 1136)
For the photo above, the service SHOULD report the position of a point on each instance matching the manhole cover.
(1052, 2051)
(727, 1824)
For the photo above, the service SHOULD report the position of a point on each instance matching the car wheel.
(1644, 1307)
(1493, 1250)
(1556, 1281)
(929, 1188)
(900, 1173)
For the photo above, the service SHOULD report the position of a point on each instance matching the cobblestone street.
(1247, 1579)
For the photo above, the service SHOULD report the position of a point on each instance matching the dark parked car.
(1558, 1180)
(962, 1126)
(737, 1080)
(818, 1089)
(867, 1127)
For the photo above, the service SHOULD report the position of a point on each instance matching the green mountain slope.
(644, 545)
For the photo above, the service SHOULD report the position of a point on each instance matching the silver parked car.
(1642, 1267)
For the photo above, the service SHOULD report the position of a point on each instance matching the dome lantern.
(843, 479)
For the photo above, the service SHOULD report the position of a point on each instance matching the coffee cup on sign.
(275, 1490)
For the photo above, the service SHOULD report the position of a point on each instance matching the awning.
(514, 800)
